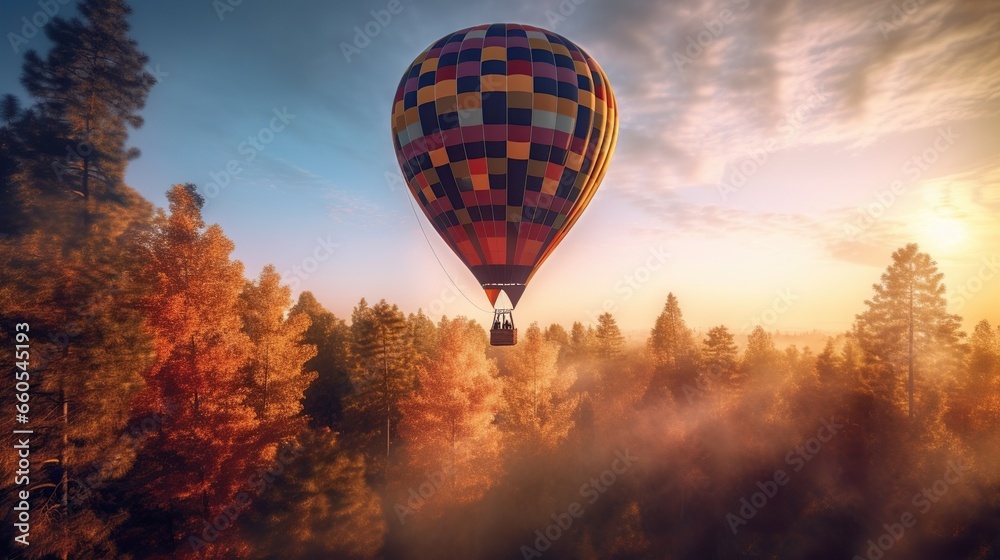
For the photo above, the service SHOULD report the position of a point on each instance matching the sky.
(771, 156)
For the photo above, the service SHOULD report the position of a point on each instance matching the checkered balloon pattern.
(503, 133)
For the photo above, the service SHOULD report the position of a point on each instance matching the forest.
(184, 407)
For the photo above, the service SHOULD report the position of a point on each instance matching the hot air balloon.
(503, 133)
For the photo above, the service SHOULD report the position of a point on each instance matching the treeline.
(182, 410)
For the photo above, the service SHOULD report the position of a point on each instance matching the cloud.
(701, 82)
(343, 205)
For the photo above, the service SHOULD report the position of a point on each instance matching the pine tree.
(671, 346)
(422, 334)
(383, 373)
(670, 338)
(65, 271)
(984, 355)
(320, 506)
(608, 338)
(448, 422)
(761, 360)
(12, 214)
(324, 398)
(828, 364)
(720, 354)
(89, 91)
(581, 342)
(906, 326)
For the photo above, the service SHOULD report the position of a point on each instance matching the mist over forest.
(185, 407)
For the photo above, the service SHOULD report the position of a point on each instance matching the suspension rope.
(443, 269)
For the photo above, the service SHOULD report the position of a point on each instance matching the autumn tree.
(537, 405)
(422, 334)
(319, 506)
(720, 355)
(383, 374)
(82, 316)
(608, 339)
(672, 349)
(65, 272)
(448, 422)
(828, 363)
(209, 443)
(323, 400)
(556, 333)
(761, 359)
(581, 341)
(275, 373)
(578, 354)
(906, 326)
(984, 355)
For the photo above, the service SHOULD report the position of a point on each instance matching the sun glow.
(944, 232)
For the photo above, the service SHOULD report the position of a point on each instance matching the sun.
(944, 232)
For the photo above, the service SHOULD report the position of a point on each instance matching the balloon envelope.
(503, 133)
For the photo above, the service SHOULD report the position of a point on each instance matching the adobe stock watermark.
(322, 251)
(418, 497)
(631, 282)
(704, 38)
(783, 301)
(964, 293)
(223, 7)
(564, 10)
(913, 168)
(923, 501)
(450, 293)
(249, 148)
(901, 14)
(257, 483)
(797, 459)
(368, 31)
(757, 157)
(591, 491)
(32, 25)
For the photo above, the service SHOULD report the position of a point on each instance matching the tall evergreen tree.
(671, 346)
(984, 355)
(324, 398)
(74, 284)
(720, 354)
(906, 326)
(383, 374)
(761, 360)
(670, 338)
(12, 213)
(89, 91)
(608, 339)
(422, 334)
